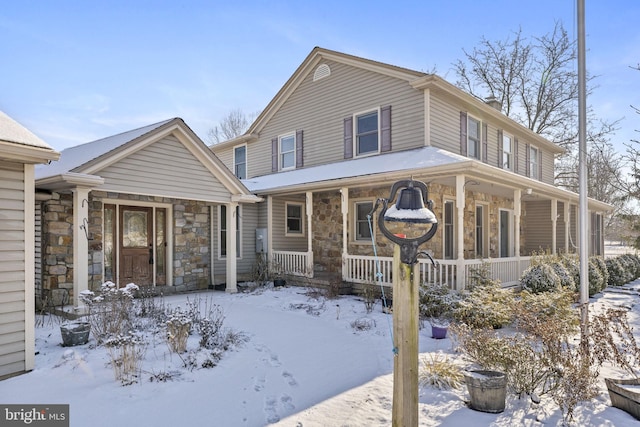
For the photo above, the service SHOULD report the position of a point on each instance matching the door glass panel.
(109, 242)
(160, 244)
(134, 229)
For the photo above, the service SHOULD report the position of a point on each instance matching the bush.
(616, 272)
(572, 264)
(437, 301)
(566, 279)
(540, 278)
(439, 372)
(484, 306)
(602, 267)
(596, 280)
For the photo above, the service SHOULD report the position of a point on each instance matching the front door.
(136, 245)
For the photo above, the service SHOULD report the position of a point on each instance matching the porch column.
(231, 248)
(517, 212)
(269, 229)
(80, 242)
(309, 266)
(567, 230)
(554, 224)
(344, 193)
(461, 281)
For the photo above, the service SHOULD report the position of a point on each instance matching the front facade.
(151, 206)
(343, 129)
(20, 150)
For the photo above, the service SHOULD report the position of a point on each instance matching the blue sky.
(76, 71)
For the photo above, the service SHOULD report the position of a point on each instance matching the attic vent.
(322, 71)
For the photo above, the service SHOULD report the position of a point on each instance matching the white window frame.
(223, 228)
(510, 230)
(534, 166)
(356, 135)
(507, 154)
(354, 226)
(286, 220)
(235, 161)
(445, 227)
(484, 228)
(477, 142)
(282, 153)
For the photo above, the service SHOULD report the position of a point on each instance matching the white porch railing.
(294, 263)
(362, 269)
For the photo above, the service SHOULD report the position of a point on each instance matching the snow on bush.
(616, 272)
(540, 278)
(596, 279)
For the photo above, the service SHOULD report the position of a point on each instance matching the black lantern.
(410, 208)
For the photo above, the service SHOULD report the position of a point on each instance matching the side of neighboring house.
(343, 129)
(152, 206)
(19, 151)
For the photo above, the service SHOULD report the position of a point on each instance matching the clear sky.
(76, 71)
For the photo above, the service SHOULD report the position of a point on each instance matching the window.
(473, 138)
(223, 231)
(533, 163)
(361, 222)
(240, 161)
(481, 231)
(367, 133)
(294, 219)
(288, 152)
(449, 231)
(507, 152)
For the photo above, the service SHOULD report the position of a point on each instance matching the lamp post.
(410, 209)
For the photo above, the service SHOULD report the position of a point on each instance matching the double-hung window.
(361, 222)
(507, 152)
(240, 161)
(534, 166)
(473, 138)
(294, 219)
(287, 151)
(366, 130)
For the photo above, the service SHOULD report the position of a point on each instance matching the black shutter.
(516, 154)
(299, 149)
(385, 128)
(500, 150)
(463, 133)
(274, 155)
(485, 145)
(527, 160)
(348, 137)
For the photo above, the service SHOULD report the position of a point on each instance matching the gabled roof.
(82, 164)
(73, 158)
(19, 143)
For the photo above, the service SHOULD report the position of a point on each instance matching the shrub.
(602, 267)
(111, 311)
(440, 372)
(540, 278)
(178, 329)
(484, 306)
(596, 280)
(566, 279)
(126, 353)
(572, 264)
(616, 272)
(437, 301)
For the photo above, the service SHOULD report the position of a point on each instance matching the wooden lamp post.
(410, 208)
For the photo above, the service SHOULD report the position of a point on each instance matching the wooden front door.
(136, 245)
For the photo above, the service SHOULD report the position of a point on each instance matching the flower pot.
(75, 333)
(487, 390)
(438, 332)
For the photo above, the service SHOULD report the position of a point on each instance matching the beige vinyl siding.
(561, 226)
(226, 156)
(12, 269)
(538, 227)
(319, 108)
(445, 124)
(548, 168)
(165, 168)
(282, 242)
(249, 223)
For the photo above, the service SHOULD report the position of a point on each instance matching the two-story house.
(343, 129)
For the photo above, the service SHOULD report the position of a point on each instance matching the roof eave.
(13, 151)
(69, 180)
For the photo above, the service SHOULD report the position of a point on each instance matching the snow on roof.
(420, 158)
(74, 157)
(12, 131)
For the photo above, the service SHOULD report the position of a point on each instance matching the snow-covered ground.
(304, 364)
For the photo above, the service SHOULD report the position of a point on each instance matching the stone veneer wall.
(327, 228)
(191, 245)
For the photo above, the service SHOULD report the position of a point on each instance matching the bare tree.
(234, 124)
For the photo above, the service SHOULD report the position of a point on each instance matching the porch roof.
(400, 161)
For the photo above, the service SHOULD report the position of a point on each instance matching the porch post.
(461, 278)
(517, 212)
(309, 266)
(231, 248)
(344, 193)
(567, 217)
(269, 229)
(80, 242)
(554, 224)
